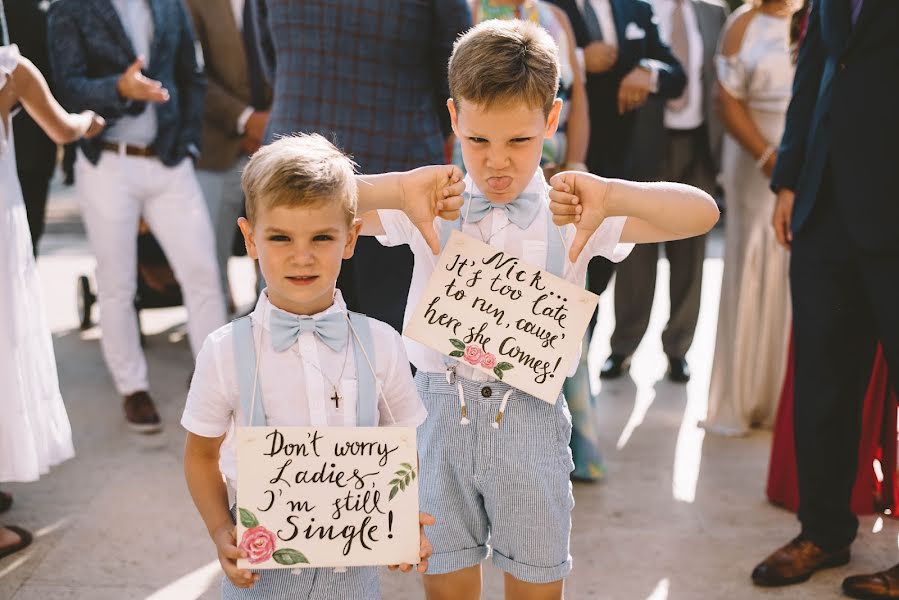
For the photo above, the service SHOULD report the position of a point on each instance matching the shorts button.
(486, 392)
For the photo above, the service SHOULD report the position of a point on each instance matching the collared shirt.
(603, 10)
(528, 244)
(296, 384)
(691, 116)
(137, 20)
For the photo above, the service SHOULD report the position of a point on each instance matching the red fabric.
(878, 440)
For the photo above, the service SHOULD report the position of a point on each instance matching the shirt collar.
(261, 313)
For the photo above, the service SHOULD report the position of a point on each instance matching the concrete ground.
(681, 515)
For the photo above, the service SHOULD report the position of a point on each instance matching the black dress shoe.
(678, 370)
(615, 366)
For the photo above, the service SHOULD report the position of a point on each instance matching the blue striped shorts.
(504, 489)
(356, 583)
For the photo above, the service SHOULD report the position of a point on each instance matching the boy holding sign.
(488, 479)
(300, 359)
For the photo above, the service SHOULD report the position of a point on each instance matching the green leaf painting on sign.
(248, 519)
(289, 556)
(459, 344)
(501, 367)
(404, 477)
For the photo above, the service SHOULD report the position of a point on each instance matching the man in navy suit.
(626, 62)
(836, 180)
(134, 63)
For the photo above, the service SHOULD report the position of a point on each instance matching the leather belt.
(128, 149)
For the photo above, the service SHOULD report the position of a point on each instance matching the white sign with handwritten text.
(327, 496)
(503, 316)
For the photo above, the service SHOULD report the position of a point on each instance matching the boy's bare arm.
(423, 194)
(201, 469)
(656, 212)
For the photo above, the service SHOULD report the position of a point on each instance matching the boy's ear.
(552, 119)
(454, 118)
(249, 241)
(352, 238)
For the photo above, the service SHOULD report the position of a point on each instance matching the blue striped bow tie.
(522, 211)
(285, 328)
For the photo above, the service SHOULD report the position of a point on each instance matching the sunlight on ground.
(661, 591)
(192, 585)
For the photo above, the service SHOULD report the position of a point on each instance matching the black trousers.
(845, 298)
(376, 281)
(35, 187)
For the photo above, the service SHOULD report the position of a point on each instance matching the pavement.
(680, 515)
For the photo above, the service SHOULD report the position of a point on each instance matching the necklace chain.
(334, 386)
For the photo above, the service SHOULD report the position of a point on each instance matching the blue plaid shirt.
(371, 76)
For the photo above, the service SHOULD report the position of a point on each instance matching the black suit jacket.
(26, 21)
(845, 113)
(89, 51)
(610, 133)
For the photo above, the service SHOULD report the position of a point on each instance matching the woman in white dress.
(755, 76)
(34, 427)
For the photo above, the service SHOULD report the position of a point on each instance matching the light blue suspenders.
(363, 352)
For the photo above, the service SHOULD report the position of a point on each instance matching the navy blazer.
(610, 132)
(845, 113)
(89, 51)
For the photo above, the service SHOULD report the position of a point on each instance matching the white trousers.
(113, 195)
(224, 199)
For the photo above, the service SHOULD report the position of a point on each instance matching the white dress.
(754, 314)
(34, 428)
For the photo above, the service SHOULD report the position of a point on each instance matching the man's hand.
(634, 90)
(249, 145)
(225, 539)
(599, 57)
(578, 198)
(783, 216)
(425, 549)
(133, 85)
(96, 123)
(431, 192)
(256, 124)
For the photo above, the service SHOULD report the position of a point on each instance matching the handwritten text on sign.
(503, 316)
(327, 496)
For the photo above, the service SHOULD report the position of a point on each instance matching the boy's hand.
(225, 539)
(578, 198)
(425, 548)
(430, 192)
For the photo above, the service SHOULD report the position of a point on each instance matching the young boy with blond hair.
(507, 489)
(316, 364)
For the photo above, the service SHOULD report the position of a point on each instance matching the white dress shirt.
(237, 9)
(137, 20)
(296, 384)
(691, 116)
(603, 10)
(528, 244)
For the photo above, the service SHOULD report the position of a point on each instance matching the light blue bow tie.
(285, 328)
(522, 211)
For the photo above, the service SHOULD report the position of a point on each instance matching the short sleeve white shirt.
(528, 244)
(297, 384)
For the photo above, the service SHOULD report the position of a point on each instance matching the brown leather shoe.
(141, 414)
(796, 562)
(876, 586)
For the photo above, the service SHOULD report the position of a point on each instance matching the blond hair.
(499, 61)
(299, 170)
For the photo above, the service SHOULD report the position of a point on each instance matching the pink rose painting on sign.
(259, 543)
(477, 356)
